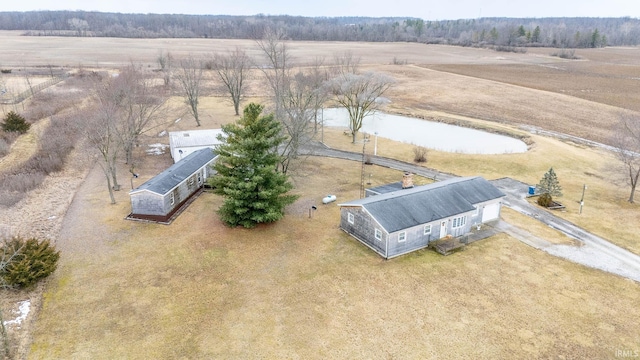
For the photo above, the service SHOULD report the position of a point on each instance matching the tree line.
(522, 32)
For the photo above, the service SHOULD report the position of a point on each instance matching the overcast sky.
(425, 9)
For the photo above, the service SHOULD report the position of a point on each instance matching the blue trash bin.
(532, 190)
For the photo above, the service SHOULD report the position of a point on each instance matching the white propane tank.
(329, 198)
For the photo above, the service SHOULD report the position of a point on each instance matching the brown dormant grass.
(303, 288)
(605, 198)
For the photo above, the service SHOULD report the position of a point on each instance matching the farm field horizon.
(302, 288)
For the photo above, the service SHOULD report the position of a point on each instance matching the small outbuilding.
(397, 219)
(163, 196)
(183, 143)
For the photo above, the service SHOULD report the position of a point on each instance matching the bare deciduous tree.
(298, 109)
(165, 61)
(232, 70)
(190, 76)
(359, 95)
(627, 143)
(278, 66)
(101, 132)
(346, 63)
(318, 75)
(296, 95)
(138, 103)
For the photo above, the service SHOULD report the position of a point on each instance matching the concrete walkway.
(594, 251)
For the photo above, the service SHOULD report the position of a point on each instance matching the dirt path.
(40, 214)
(24, 147)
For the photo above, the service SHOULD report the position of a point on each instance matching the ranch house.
(398, 218)
(183, 143)
(160, 198)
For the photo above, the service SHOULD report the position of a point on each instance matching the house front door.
(443, 229)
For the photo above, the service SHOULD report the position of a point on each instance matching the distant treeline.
(511, 32)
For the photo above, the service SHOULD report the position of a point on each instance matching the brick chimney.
(407, 180)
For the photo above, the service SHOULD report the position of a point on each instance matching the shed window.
(378, 234)
(459, 222)
(350, 218)
(172, 199)
(402, 236)
(190, 182)
(427, 229)
(199, 179)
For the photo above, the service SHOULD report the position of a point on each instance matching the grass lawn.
(301, 288)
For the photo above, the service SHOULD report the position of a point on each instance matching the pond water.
(432, 135)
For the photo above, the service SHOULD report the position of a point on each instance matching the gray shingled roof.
(177, 173)
(422, 204)
(386, 188)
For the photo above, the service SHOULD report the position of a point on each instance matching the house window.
(350, 218)
(459, 222)
(402, 236)
(378, 235)
(427, 229)
(190, 182)
(172, 199)
(199, 179)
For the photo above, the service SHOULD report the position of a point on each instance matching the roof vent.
(186, 134)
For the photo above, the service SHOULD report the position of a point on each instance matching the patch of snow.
(177, 120)
(157, 149)
(51, 217)
(162, 133)
(24, 308)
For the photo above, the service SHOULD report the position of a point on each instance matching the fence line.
(33, 89)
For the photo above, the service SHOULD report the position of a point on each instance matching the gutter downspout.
(386, 247)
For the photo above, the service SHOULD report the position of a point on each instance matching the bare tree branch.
(190, 76)
(359, 95)
(296, 95)
(232, 69)
(627, 142)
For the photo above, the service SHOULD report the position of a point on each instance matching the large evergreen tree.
(255, 191)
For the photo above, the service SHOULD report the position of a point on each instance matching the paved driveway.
(593, 251)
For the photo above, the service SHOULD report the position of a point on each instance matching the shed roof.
(386, 188)
(177, 173)
(205, 137)
(406, 208)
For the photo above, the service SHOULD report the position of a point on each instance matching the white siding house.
(183, 143)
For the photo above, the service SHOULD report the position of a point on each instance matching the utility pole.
(364, 144)
(375, 144)
(584, 187)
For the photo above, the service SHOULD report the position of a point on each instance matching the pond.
(432, 135)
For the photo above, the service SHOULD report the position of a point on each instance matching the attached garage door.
(490, 212)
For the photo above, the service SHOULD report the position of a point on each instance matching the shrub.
(25, 262)
(13, 122)
(419, 154)
(545, 200)
(566, 54)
